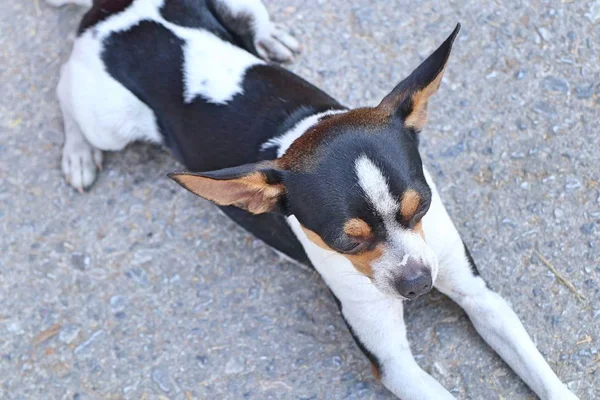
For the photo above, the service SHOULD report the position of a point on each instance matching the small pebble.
(585, 91)
(234, 366)
(587, 229)
(555, 84)
(160, 376)
(68, 333)
(522, 73)
(544, 108)
(439, 368)
(572, 184)
(80, 261)
(117, 303)
(594, 13)
(558, 213)
(545, 34)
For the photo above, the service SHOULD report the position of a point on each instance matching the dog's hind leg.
(99, 114)
(80, 159)
(491, 316)
(249, 20)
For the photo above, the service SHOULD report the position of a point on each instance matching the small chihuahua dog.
(341, 190)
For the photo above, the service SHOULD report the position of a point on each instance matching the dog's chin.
(387, 289)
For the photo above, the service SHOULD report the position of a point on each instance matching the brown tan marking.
(358, 228)
(362, 262)
(409, 204)
(251, 192)
(420, 99)
(412, 95)
(300, 154)
(376, 372)
(316, 239)
(419, 229)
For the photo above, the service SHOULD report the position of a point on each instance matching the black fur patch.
(331, 187)
(471, 261)
(148, 60)
(195, 14)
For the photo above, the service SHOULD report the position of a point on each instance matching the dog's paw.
(80, 162)
(277, 44)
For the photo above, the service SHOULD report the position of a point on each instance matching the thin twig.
(559, 276)
(47, 334)
(586, 339)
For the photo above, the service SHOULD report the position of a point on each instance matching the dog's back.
(183, 73)
(201, 81)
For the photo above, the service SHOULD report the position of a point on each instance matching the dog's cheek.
(365, 261)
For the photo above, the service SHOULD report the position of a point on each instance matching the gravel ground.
(139, 290)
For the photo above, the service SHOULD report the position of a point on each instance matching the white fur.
(402, 243)
(98, 113)
(376, 318)
(284, 141)
(493, 318)
(58, 3)
(375, 186)
(213, 69)
(245, 8)
(101, 114)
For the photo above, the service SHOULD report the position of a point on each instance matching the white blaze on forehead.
(375, 186)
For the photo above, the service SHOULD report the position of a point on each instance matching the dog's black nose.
(414, 281)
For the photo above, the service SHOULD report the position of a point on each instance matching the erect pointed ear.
(253, 187)
(409, 99)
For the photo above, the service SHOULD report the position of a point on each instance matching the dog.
(341, 190)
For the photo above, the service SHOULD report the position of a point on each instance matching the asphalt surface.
(139, 290)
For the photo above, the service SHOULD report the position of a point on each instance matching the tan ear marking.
(250, 192)
(420, 99)
(409, 98)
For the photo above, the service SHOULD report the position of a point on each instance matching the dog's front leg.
(377, 325)
(492, 317)
(376, 322)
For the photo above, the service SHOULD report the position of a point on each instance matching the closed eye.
(416, 217)
(353, 246)
(420, 213)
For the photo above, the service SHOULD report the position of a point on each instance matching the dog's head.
(354, 181)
